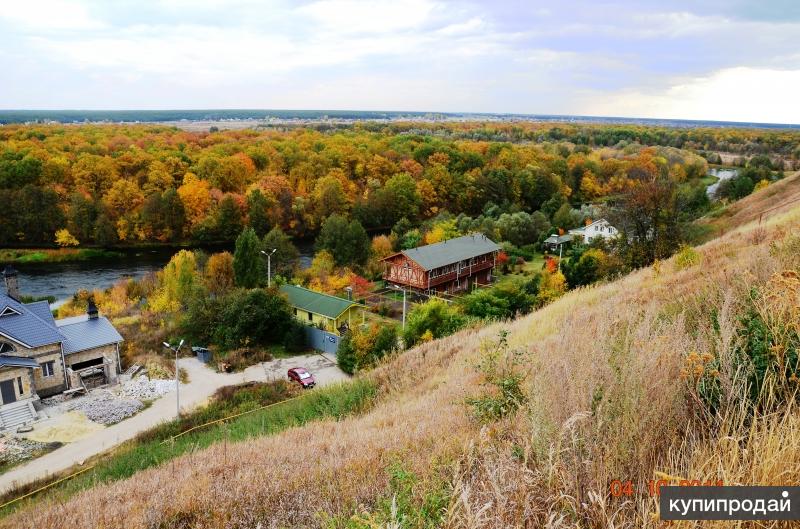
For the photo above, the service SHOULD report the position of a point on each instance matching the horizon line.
(532, 116)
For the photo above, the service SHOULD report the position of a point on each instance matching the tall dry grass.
(608, 398)
(611, 397)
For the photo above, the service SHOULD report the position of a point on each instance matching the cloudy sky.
(729, 60)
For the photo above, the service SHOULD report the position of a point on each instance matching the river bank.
(54, 255)
(58, 274)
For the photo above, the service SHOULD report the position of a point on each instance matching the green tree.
(248, 263)
(348, 242)
(257, 212)
(256, 317)
(522, 228)
(174, 215)
(228, 219)
(104, 232)
(284, 260)
(81, 216)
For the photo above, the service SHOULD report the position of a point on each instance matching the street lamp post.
(177, 379)
(269, 266)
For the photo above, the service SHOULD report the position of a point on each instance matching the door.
(8, 392)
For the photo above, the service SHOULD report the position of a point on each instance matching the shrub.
(687, 257)
(501, 301)
(434, 316)
(503, 377)
(362, 348)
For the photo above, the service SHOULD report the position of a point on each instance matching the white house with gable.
(599, 228)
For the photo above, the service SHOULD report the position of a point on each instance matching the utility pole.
(404, 304)
(269, 266)
(560, 246)
(177, 378)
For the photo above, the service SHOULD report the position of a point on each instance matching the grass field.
(149, 449)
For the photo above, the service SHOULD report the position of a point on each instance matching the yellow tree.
(219, 273)
(196, 197)
(122, 198)
(159, 178)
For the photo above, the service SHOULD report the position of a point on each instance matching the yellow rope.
(162, 442)
(193, 428)
(45, 487)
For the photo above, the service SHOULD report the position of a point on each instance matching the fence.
(322, 340)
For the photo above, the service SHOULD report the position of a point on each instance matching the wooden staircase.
(16, 414)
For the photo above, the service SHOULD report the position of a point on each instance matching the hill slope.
(613, 393)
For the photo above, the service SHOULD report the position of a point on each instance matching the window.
(48, 369)
(19, 385)
(310, 317)
(295, 312)
(6, 347)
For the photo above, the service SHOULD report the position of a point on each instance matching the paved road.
(203, 382)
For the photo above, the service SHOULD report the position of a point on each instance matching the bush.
(434, 318)
(499, 302)
(503, 378)
(362, 348)
(687, 257)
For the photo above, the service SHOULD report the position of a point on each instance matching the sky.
(728, 60)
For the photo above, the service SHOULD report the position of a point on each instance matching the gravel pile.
(144, 389)
(14, 449)
(102, 406)
(56, 399)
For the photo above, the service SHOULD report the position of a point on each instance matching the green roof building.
(323, 310)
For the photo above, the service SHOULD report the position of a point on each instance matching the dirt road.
(203, 382)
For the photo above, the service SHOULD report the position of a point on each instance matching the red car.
(302, 377)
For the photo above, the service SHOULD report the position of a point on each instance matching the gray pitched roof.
(447, 252)
(17, 361)
(42, 309)
(81, 333)
(30, 326)
(558, 239)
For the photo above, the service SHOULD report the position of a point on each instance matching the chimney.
(12, 284)
(349, 291)
(91, 309)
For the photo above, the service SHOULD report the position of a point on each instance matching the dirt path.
(203, 382)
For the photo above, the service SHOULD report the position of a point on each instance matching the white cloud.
(354, 16)
(49, 15)
(731, 94)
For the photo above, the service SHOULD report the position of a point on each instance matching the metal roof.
(18, 361)
(558, 239)
(316, 302)
(81, 333)
(30, 327)
(448, 252)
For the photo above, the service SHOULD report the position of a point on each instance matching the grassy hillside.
(640, 379)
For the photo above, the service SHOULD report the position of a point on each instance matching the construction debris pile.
(104, 407)
(15, 449)
(142, 388)
(111, 405)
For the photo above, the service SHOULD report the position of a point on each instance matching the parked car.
(302, 377)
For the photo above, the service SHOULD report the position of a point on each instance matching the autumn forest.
(117, 185)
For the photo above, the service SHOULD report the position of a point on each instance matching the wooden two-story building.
(448, 266)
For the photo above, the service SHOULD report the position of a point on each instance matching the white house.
(599, 228)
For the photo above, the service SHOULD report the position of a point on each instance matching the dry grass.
(606, 401)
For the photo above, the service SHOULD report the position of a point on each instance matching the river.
(62, 280)
(722, 174)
